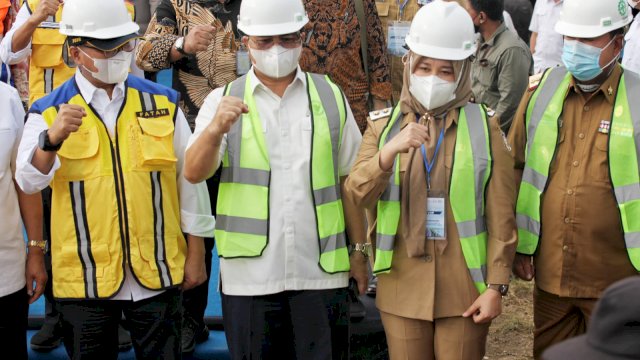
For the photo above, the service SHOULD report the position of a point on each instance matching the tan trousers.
(454, 338)
(557, 319)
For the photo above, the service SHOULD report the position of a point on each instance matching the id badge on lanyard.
(436, 224)
(243, 63)
(424, 2)
(397, 33)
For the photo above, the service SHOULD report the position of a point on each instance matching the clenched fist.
(412, 136)
(45, 9)
(198, 39)
(68, 121)
(229, 111)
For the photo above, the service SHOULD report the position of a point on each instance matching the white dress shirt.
(548, 51)
(6, 55)
(631, 55)
(195, 209)
(12, 245)
(290, 260)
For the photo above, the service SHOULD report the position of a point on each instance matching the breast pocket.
(156, 142)
(600, 159)
(77, 155)
(47, 48)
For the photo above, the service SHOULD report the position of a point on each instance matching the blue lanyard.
(401, 8)
(428, 165)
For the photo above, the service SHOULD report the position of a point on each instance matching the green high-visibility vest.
(242, 223)
(542, 117)
(469, 177)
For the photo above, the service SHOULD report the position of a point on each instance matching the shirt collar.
(609, 87)
(502, 28)
(88, 90)
(255, 82)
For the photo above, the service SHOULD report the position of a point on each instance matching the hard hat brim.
(272, 30)
(586, 31)
(441, 53)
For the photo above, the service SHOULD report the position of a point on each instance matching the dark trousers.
(14, 310)
(90, 327)
(51, 315)
(309, 324)
(195, 300)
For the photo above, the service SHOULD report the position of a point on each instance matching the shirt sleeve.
(152, 53)
(17, 114)
(6, 55)
(204, 118)
(30, 179)
(514, 66)
(195, 207)
(351, 139)
(534, 26)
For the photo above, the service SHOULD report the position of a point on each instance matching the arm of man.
(353, 214)
(208, 143)
(195, 211)
(532, 42)
(514, 65)
(158, 49)
(7, 55)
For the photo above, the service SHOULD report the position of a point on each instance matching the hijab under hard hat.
(462, 73)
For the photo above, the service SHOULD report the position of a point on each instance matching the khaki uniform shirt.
(582, 249)
(438, 284)
(389, 11)
(500, 73)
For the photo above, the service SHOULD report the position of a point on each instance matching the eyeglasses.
(128, 47)
(288, 41)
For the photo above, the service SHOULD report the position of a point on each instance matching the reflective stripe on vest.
(470, 175)
(242, 226)
(542, 116)
(624, 153)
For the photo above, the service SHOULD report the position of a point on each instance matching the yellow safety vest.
(115, 201)
(242, 223)
(47, 69)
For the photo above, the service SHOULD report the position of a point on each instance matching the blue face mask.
(582, 60)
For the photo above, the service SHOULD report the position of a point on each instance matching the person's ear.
(245, 40)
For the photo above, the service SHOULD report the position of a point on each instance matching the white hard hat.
(271, 17)
(442, 30)
(97, 19)
(592, 18)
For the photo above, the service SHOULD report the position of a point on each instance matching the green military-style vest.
(242, 224)
(469, 177)
(542, 116)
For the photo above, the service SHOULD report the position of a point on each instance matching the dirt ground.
(511, 334)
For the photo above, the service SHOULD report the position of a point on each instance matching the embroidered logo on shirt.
(153, 113)
(604, 127)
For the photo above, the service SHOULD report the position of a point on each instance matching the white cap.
(98, 19)
(271, 17)
(442, 30)
(592, 18)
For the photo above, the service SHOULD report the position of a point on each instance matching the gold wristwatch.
(364, 248)
(42, 244)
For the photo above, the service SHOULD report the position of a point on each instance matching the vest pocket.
(158, 254)
(47, 48)
(76, 153)
(156, 141)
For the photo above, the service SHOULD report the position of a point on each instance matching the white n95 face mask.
(277, 61)
(431, 91)
(113, 70)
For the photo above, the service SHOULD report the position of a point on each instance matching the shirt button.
(570, 192)
(287, 166)
(575, 163)
(428, 258)
(565, 248)
(587, 108)
(567, 220)
(581, 136)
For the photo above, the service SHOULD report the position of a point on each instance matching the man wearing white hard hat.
(111, 147)
(438, 172)
(286, 140)
(577, 150)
